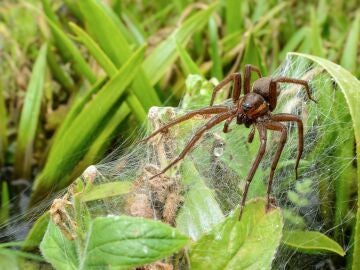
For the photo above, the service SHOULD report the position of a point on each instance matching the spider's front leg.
(263, 138)
(236, 78)
(247, 77)
(276, 126)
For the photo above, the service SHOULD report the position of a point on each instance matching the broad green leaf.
(69, 148)
(164, 55)
(350, 86)
(58, 250)
(30, 116)
(35, 235)
(311, 241)
(200, 212)
(350, 53)
(250, 243)
(129, 242)
(113, 242)
(106, 190)
(8, 260)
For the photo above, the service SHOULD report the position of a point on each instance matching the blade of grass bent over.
(350, 87)
(30, 116)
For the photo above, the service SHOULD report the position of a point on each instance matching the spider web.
(207, 185)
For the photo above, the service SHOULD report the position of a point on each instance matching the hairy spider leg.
(255, 165)
(212, 122)
(285, 117)
(236, 78)
(273, 89)
(276, 126)
(189, 115)
(251, 134)
(247, 77)
(227, 124)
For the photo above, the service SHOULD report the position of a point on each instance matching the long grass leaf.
(349, 58)
(316, 39)
(233, 15)
(70, 51)
(3, 126)
(70, 148)
(164, 55)
(5, 203)
(110, 69)
(105, 27)
(30, 116)
(214, 50)
(188, 64)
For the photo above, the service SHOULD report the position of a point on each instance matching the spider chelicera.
(253, 109)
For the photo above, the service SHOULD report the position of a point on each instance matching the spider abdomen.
(262, 87)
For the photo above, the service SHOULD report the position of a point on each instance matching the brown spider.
(252, 109)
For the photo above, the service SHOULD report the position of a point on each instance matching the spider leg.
(272, 125)
(227, 124)
(255, 164)
(247, 76)
(273, 89)
(284, 117)
(189, 115)
(212, 122)
(236, 77)
(251, 134)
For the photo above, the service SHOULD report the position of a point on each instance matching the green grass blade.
(94, 49)
(34, 236)
(30, 116)
(349, 59)
(233, 15)
(3, 126)
(102, 141)
(316, 39)
(349, 86)
(188, 65)
(214, 50)
(105, 27)
(294, 42)
(164, 55)
(69, 50)
(70, 148)
(5, 203)
(109, 68)
(59, 74)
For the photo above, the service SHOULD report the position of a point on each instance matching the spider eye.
(246, 106)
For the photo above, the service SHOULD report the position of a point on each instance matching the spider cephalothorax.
(254, 108)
